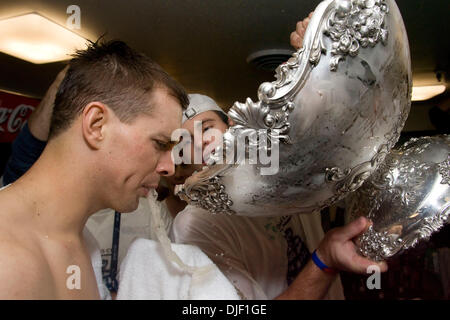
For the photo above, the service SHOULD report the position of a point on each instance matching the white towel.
(146, 273)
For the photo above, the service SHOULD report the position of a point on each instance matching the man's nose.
(166, 166)
(198, 144)
(207, 141)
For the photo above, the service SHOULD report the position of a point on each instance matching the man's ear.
(94, 118)
(230, 122)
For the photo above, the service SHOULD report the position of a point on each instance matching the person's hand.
(338, 251)
(299, 33)
(39, 121)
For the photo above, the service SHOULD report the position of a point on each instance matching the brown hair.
(114, 74)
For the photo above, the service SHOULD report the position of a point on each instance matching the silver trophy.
(332, 116)
(407, 198)
(336, 109)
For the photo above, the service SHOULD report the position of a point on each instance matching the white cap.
(199, 103)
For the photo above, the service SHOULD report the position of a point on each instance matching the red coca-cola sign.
(14, 111)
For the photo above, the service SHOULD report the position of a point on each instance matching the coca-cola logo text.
(12, 120)
(14, 112)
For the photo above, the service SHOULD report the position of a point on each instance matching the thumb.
(296, 41)
(354, 228)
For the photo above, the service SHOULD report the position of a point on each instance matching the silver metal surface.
(407, 198)
(336, 108)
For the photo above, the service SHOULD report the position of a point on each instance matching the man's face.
(140, 152)
(209, 120)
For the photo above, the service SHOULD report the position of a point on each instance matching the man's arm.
(39, 120)
(311, 284)
(338, 251)
(31, 141)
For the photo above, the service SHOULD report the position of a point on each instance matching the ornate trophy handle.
(407, 198)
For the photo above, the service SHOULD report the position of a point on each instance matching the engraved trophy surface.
(336, 109)
(407, 198)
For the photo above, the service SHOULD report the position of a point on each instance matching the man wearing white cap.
(260, 256)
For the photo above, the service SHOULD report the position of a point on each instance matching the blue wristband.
(322, 266)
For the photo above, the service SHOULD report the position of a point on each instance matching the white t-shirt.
(252, 252)
(94, 251)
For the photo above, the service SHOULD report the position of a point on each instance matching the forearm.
(311, 284)
(39, 121)
(336, 251)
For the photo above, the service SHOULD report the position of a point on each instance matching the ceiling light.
(36, 39)
(421, 93)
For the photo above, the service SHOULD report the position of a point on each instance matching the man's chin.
(130, 207)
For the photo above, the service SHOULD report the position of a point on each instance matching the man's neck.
(58, 193)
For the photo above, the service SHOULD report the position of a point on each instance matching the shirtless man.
(109, 144)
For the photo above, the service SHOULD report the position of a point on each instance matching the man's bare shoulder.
(22, 270)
